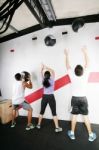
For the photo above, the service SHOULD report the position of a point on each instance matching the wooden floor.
(45, 139)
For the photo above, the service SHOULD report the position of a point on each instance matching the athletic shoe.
(30, 126)
(38, 126)
(92, 137)
(71, 135)
(13, 124)
(58, 129)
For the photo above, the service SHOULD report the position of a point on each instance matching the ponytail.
(46, 82)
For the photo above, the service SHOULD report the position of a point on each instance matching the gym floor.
(45, 139)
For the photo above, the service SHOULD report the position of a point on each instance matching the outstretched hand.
(84, 49)
(42, 65)
(66, 51)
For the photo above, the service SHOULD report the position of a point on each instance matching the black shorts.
(79, 105)
(48, 99)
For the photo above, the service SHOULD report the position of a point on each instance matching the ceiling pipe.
(11, 27)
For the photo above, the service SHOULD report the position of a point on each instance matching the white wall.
(29, 54)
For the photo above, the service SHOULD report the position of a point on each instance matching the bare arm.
(28, 84)
(86, 59)
(42, 70)
(67, 59)
(46, 68)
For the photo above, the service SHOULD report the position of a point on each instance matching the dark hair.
(79, 70)
(18, 76)
(46, 82)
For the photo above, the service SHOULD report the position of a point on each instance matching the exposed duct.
(48, 9)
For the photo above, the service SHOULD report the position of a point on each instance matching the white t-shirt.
(18, 93)
(78, 83)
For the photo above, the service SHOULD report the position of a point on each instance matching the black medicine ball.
(26, 76)
(50, 40)
(77, 23)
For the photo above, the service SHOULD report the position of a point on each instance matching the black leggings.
(48, 99)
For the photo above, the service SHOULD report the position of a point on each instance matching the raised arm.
(86, 59)
(67, 59)
(42, 70)
(28, 84)
(46, 68)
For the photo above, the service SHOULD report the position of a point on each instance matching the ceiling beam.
(59, 22)
(69, 21)
(37, 11)
(20, 33)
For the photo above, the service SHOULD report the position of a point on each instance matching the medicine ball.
(50, 40)
(77, 23)
(25, 75)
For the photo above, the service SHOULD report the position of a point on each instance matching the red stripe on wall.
(97, 38)
(34, 96)
(62, 82)
(38, 94)
(93, 77)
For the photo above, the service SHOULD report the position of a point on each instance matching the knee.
(54, 114)
(42, 113)
(31, 109)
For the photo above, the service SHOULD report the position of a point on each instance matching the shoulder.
(52, 78)
(86, 71)
(70, 71)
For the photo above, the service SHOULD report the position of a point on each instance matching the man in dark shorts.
(79, 104)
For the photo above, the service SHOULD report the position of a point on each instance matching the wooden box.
(5, 111)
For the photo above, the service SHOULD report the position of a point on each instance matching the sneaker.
(13, 124)
(58, 129)
(92, 137)
(71, 135)
(31, 126)
(38, 126)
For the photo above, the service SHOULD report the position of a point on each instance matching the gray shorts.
(25, 105)
(79, 105)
